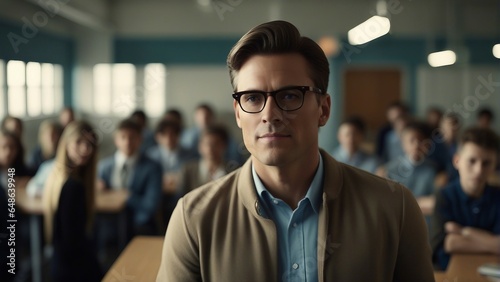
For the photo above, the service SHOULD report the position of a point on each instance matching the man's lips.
(274, 135)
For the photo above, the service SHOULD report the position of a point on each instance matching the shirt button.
(294, 225)
(295, 266)
(275, 202)
(475, 210)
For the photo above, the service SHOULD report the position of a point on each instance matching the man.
(130, 169)
(350, 135)
(467, 213)
(292, 213)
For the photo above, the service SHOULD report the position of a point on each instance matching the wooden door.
(368, 92)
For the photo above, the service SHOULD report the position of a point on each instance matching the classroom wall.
(462, 90)
(172, 32)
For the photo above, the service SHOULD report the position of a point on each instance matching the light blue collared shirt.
(297, 229)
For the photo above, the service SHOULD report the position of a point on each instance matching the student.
(66, 116)
(48, 138)
(433, 117)
(129, 169)
(212, 164)
(203, 117)
(393, 112)
(485, 118)
(172, 156)
(169, 152)
(148, 138)
(14, 125)
(68, 202)
(414, 170)
(11, 156)
(350, 135)
(450, 129)
(393, 148)
(292, 212)
(466, 218)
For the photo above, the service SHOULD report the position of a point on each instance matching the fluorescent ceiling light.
(442, 58)
(369, 30)
(496, 51)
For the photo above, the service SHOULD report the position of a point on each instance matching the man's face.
(414, 145)
(275, 137)
(168, 139)
(474, 164)
(8, 151)
(349, 137)
(203, 118)
(212, 147)
(127, 141)
(449, 129)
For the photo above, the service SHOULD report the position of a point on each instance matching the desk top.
(139, 261)
(106, 202)
(463, 267)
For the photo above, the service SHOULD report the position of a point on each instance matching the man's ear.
(325, 106)
(236, 108)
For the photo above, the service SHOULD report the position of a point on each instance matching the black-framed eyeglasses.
(288, 98)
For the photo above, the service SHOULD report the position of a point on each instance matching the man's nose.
(271, 112)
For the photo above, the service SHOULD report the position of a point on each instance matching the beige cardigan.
(370, 229)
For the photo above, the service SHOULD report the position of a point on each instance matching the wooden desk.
(463, 268)
(139, 261)
(106, 202)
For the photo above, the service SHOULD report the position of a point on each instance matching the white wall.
(313, 17)
(460, 89)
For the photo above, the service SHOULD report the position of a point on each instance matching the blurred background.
(106, 58)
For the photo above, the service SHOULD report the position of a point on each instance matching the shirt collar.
(121, 159)
(314, 193)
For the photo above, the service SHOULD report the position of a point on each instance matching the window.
(3, 109)
(119, 89)
(154, 89)
(16, 91)
(33, 89)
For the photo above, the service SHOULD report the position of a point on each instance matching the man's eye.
(252, 98)
(289, 95)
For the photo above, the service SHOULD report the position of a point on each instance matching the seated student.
(414, 170)
(148, 138)
(449, 129)
(350, 135)
(394, 111)
(169, 153)
(11, 156)
(466, 217)
(204, 116)
(393, 147)
(68, 202)
(66, 116)
(14, 125)
(212, 165)
(433, 117)
(48, 138)
(129, 169)
(172, 156)
(485, 118)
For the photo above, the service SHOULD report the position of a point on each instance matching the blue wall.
(38, 46)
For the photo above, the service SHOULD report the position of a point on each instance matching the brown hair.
(482, 137)
(279, 37)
